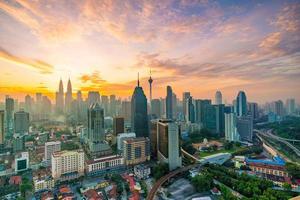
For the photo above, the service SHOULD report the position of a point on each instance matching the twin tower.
(64, 101)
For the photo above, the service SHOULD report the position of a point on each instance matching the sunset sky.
(192, 45)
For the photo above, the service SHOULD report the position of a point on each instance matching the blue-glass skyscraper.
(139, 116)
(169, 103)
(241, 104)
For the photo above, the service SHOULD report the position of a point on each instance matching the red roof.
(92, 195)
(15, 180)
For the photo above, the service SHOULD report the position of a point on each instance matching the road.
(279, 139)
(163, 179)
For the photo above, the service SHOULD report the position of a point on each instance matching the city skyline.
(219, 46)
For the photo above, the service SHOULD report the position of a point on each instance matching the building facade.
(231, 133)
(105, 165)
(136, 150)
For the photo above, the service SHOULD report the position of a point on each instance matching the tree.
(287, 186)
(293, 170)
(160, 170)
(202, 182)
(25, 186)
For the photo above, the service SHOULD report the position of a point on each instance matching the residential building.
(136, 150)
(231, 133)
(50, 148)
(121, 137)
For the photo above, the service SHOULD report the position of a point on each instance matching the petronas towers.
(64, 101)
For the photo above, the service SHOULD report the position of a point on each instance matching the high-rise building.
(220, 119)
(9, 110)
(105, 104)
(199, 109)
(290, 106)
(218, 98)
(231, 133)
(136, 150)
(60, 98)
(46, 108)
(50, 148)
(150, 91)
(126, 110)
(139, 116)
(29, 104)
(253, 110)
(67, 165)
(21, 119)
(185, 97)
(18, 142)
(96, 123)
(121, 137)
(112, 101)
(168, 133)
(169, 103)
(68, 98)
(2, 135)
(190, 110)
(93, 97)
(156, 107)
(241, 104)
(210, 118)
(277, 108)
(118, 125)
(245, 128)
(174, 106)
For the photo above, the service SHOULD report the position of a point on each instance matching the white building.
(121, 137)
(142, 171)
(169, 144)
(50, 148)
(104, 165)
(231, 133)
(43, 183)
(67, 164)
(22, 162)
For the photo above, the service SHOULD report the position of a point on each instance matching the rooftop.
(277, 161)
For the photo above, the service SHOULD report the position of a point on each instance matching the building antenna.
(138, 79)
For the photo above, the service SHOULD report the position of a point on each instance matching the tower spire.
(138, 82)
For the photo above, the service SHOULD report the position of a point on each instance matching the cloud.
(28, 63)
(271, 41)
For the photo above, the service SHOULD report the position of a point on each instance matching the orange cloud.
(289, 18)
(34, 64)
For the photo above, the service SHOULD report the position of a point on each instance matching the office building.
(2, 135)
(231, 133)
(105, 104)
(105, 165)
(50, 148)
(185, 97)
(241, 104)
(218, 98)
(21, 119)
(18, 142)
(220, 119)
(277, 108)
(210, 118)
(121, 137)
(290, 106)
(113, 104)
(200, 109)
(29, 102)
(245, 128)
(118, 125)
(21, 162)
(136, 150)
(153, 137)
(253, 110)
(168, 133)
(9, 110)
(139, 116)
(66, 165)
(190, 110)
(126, 110)
(68, 98)
(169, 103)
(60, 98)
(156, 108)
(93, 98)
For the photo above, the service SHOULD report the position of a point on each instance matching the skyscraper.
(68, 98)
(245, 128)
(21, 119)
(118, 125)
(190, 109)
(2, 136)
(220, 121)
(169, 103)
(199, 109)
(9, 110)
(241, 104)
(253, 110)
(218, 98)
(96, 123)
(150, 91)
(277, 108)
(156, 107)
(29, 104)
(185, 97)
(93, 97)
(290, 106)
(112, 101)
(168, 147)
(105, 104)
(126, 110)
(231, 133)
(139, 117)
(60, 98)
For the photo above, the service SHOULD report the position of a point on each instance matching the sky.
(192, 45)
